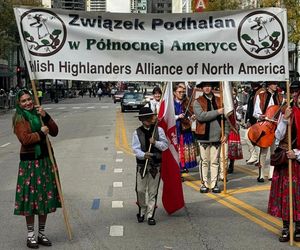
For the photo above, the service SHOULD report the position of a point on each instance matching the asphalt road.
(97, 171)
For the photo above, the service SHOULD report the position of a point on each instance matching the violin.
(262, 133)
(187, 109)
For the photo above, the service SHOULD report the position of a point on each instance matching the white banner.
(245, 45)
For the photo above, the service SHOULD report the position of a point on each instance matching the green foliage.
(8, 27)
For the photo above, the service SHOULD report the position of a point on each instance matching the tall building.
(69, 4)
(159, 6)
(139, 6)
(96, 5)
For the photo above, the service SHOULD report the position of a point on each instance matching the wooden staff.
(55, 169)
(222, 136)
(290, 169)
(155, 127)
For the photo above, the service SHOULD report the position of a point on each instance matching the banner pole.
(55, 169)
(223, 144)
(155, 127)
(290, 170)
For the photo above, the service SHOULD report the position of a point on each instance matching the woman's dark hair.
(156, 89)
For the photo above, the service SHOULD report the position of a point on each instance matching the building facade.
(69, 4)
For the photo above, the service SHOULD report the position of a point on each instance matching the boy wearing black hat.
(147, 186)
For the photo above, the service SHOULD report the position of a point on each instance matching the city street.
(97, 172)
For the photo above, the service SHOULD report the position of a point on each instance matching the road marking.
(249, 189)
(116, 231)
(120, 152)
(117, 204)
(76, 107)
(117, 184)
(119, 160)
(118, 170)
(4, 145)
(90, 107)
(47, 108)
(104, 107)
(103, 167)
(96, 204)
(61, 108)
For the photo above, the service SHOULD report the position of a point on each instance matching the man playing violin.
(263, 100)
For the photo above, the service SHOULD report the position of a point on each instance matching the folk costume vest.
(265, 97)
(144, 136)
(202, 128)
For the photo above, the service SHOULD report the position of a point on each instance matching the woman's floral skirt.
(36, 191)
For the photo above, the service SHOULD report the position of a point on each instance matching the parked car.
(118, 96)
(132, 101)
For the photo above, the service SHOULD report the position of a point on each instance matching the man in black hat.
(209, 111)
(147, 186)
(264, 99)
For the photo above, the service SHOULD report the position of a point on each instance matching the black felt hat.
(295, 85)
(145, 111)
(207, 83)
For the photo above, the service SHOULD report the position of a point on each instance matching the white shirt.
(257, 111)
(161, 144)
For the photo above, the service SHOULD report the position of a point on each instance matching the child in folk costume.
(279, 193)
(36, 192)
(147, 186)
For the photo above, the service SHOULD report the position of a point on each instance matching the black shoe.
(270, 179)
(140, 218)
(230, 171)
(285, 236)
(216, 190)
(32, 243)
(182, 179)
(203, 189)
(297, 235)
(43, 240)
(151, 222)
(260, 179)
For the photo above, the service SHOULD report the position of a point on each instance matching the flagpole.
(223, 144)
(55, 169)
(290, 169)
(155, 127)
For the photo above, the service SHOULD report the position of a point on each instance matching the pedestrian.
(264, 99)
(99, 93)
(251, 120)
(36, 191)
(279, 193)
(184, 116)
(40, 95)
(155, 102)
(147, 186)
(208, 111)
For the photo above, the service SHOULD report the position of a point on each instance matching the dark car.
(117, 97)
(132, 101)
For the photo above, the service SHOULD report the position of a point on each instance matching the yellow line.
(248, 189)
(117, 135)
(254, 210)
(123, 131)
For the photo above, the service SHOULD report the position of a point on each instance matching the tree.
(8, 27)
(222, 5)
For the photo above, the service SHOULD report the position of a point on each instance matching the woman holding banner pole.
(36, 192)
(285, 188)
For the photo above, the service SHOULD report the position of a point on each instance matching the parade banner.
(210, 46)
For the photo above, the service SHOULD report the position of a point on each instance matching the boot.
(230, 167)
(285, 235)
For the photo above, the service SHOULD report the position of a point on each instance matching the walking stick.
(222, 136)
(290, 170)
(55, 169)
(155, 127)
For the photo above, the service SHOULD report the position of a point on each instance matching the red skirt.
(235, 151)
(279, 193)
